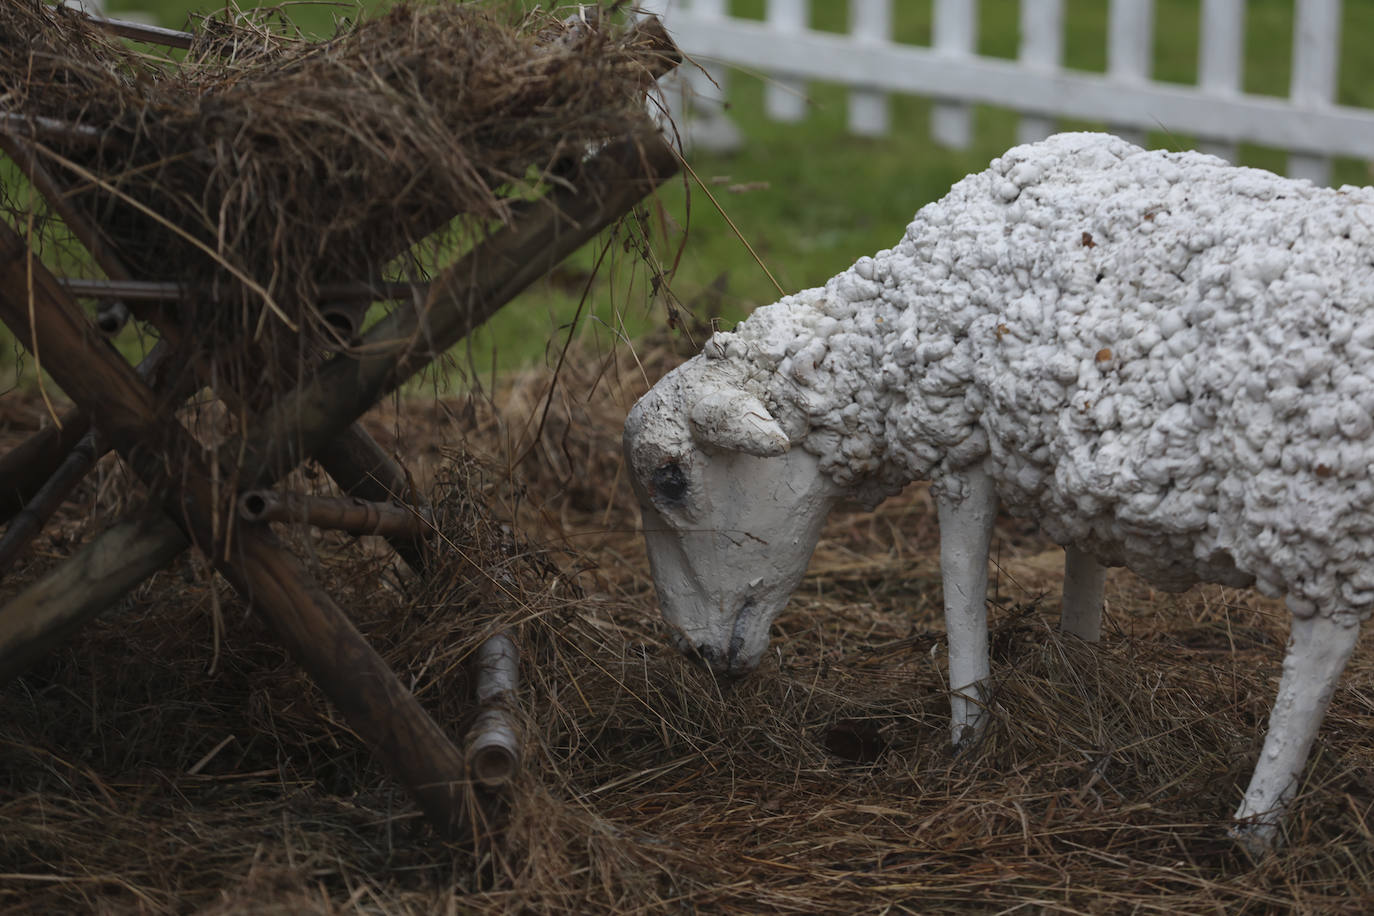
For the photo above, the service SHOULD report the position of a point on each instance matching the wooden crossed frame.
(315, 419)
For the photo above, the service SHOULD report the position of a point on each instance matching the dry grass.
(135, 778)
(170, 759)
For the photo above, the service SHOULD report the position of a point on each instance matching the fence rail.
(1036, 85)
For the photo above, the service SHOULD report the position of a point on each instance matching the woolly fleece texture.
(1166, 360)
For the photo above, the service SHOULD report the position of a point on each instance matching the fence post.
(1316, 53)
(870, 21)
(1220, 52)
(955, 33)
(1130, 42)
(694, 94)
(1042, 48)
(709, 127)
(784, 99)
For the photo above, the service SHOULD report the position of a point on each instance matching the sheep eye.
(670, 483)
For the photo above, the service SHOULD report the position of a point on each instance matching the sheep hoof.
(967, 738)
(1257, 838)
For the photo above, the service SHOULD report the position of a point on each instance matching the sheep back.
(1166, 360)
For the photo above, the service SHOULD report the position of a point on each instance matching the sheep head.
(731, 512)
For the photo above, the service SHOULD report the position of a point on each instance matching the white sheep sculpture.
(1166, 360)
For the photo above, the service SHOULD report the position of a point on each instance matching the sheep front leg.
(1084, 579)
(966, 505)
(1318, 649)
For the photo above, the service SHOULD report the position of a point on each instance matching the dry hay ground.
(171, 759)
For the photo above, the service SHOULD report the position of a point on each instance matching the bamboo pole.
(26, 469)
(167, 291)
(90, 236)
(350, 514)
(152, 34)
(316, 632)
(493, 745)
(111, 316)
(36, 512)
(73, 468)
(47, 612)
(364, 470)
(38, 127)
(27, 466)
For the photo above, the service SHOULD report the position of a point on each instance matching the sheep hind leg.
(966, 505)
(1084, 579)
(1318, 649)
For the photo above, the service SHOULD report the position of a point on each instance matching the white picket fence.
(1307, 123)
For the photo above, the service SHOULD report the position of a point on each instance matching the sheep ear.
(737, 422)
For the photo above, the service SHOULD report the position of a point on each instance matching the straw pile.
(262, 166)
(160, 765)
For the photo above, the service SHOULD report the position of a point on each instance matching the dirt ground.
(170, 758)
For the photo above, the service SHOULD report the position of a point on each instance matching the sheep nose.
(706, 655)
(725, 665)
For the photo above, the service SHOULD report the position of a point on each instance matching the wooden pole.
(316, 632)
(364, 470)
(36, 512)
(37, 127)
(47, 612)
(152, 34)
(351, 514)
(27, 466)
(167, 291)
(70, 472)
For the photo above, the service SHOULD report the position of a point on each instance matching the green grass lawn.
(810, 198)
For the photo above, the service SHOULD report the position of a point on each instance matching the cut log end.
(111, 316)
(255, 505)
(493, 749)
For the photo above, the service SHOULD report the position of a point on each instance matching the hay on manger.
(233, 200)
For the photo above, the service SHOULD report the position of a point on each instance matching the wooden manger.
(219, 498)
